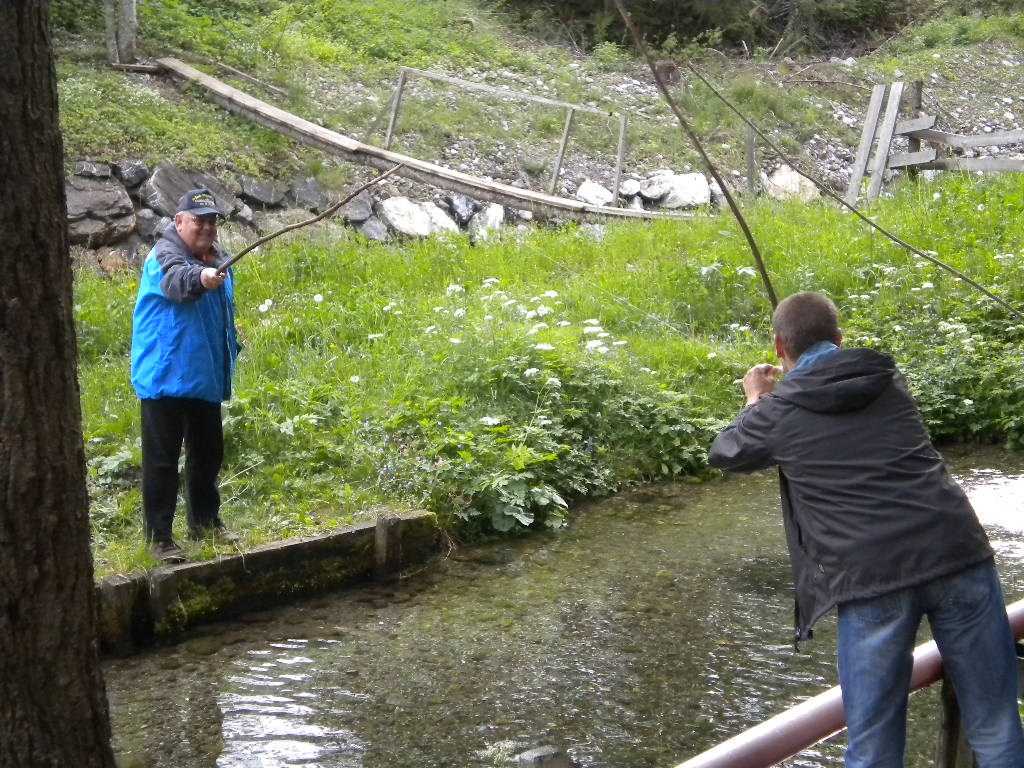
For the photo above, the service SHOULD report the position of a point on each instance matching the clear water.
(658, 625)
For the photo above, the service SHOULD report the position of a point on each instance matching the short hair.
(804, 319)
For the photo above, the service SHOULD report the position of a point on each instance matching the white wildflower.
(712, 355)
(531, 373)
(619, 343)
(553, 383)
(509, 303)
(543, 347)
(354, 379)
(593, 329)
(453, 289)
(563, 323)
(927, 285)
(543, 309)
(390, 305)
(455, 340)
(490, 421)
(490, 280)
(594, 344)
(968, 402)
(264, 307)
(318, 298)
(603, 335)
(550, 294)
(591, 322)
(459, 312)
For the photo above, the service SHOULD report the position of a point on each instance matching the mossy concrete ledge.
(137, 610)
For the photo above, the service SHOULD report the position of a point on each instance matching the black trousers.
(165, 424)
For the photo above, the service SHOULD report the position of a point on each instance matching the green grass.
(462, 378)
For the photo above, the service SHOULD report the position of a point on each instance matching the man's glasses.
(201, 221)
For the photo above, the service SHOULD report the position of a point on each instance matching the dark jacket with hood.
(868, 504)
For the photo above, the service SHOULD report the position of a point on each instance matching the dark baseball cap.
(199, 202)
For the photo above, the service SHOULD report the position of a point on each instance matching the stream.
(656, 625)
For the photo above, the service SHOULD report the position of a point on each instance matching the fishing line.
(795, 165)
(638, 40)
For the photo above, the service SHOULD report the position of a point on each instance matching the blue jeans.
(968, 620)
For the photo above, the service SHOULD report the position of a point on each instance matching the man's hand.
(759, 381)
(210, 279)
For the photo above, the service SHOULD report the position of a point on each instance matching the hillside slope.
(341, 72)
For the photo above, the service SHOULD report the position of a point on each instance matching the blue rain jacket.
(183, 338)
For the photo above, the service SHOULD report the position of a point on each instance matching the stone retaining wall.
(160, 604)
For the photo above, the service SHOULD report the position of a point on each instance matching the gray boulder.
(150, 225)
(359, 208)
(131, 172)
(310, 194)
(463, 207)
(92, 170)
(374, 229)
(262, 194)
(99, 211)
(629, 188)
(168, 183)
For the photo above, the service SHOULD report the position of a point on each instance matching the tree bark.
(53, 709)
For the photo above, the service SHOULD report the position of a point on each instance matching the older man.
(183, 355)
(876, 526)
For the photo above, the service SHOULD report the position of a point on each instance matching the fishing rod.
(638, 40)
(223, 268)
(795, 165)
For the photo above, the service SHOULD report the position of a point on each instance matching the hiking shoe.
(168, 552)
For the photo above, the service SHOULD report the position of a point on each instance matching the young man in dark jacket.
(183, 355)
(876, 526)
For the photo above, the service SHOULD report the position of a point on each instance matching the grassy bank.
(496, 383)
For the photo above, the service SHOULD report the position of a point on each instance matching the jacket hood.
(844, 381)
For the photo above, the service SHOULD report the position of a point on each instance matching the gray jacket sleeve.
(744, 446)
(181, 279)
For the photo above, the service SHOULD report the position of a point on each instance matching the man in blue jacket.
(183, 355)
(876, 526)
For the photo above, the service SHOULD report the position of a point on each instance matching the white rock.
(787, 184)
(592, 193)
(655, 187)
(439, 220)
(629, 187)
(488, 219)
(687, 190)
(405, 216)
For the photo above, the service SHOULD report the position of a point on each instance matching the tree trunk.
(127, 27)
(53, 709)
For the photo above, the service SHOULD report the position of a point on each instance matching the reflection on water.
(657, 626)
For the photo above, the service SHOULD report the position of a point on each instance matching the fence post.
(394, 110)
(618, 160)
(561, 150)
(915, 98)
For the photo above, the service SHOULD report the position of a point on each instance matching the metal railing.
(814, 720)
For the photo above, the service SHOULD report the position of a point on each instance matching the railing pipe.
(816, 719)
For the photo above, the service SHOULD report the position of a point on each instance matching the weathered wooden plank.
(309, 133)
(507, 93)
(917, 124)
(912, 158)
(885, 133)
(867, 136)
(975, 164)
(561, 150)
(965, 142)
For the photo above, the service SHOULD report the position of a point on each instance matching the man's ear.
(839, 338)
(780, 351)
